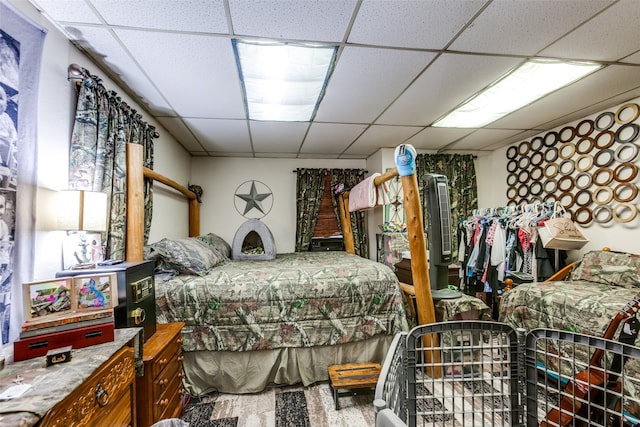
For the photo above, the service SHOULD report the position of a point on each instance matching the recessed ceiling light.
(283, 82)
(530, 81)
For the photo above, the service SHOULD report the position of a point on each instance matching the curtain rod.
(77, 73)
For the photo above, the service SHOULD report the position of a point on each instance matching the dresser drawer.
(159, 393)
(169, 401)
(98, 395)
(165, 357)
(171, 371)
(120, 413)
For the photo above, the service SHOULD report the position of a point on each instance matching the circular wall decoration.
(577, 164)
(253, 199)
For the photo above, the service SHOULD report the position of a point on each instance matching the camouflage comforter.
(600, 284)
(296, 300)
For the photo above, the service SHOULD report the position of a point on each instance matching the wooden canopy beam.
(136, 174)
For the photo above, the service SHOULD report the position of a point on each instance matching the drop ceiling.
(401, 65)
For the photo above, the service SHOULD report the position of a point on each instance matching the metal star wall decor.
(257, 198)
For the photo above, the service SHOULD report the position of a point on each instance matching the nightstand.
(160, 391)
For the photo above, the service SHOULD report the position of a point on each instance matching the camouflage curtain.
(309, 189)
(461, 175)
(104, 124)
(350, 177)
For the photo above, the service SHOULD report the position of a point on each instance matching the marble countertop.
(50, 385)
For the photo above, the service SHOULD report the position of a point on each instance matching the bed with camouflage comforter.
(599, 285)
(254, 322)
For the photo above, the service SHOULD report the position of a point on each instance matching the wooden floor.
(258, 410)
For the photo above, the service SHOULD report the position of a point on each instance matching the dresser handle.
(164, 402)
(181, 358)
(102, 397)
(162, 361)
(163, 382)
(180, 340)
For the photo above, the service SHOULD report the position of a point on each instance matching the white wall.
(220, 177)
(56, 109)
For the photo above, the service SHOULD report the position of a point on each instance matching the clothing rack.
(496, 242)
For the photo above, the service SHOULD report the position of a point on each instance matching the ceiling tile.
(325, 20)
(190, 65)
(68, 11)
(285, 137)
(521, 136)
(176, 15)
(417, 24)
(611, 35)
(181, 133)
(633, 59)
(524, 26)
(379, 136)
(365, 81)
(100, 43)
(277, 155)
(569, 103)
(221, 135)
(481, 138)
(436, 138)
(450, 79)
(325, 138)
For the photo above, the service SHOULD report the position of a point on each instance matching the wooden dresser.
(107, 398)
(160, 392)
(96, 387)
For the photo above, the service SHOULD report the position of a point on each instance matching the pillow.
(216, 242)
(608, 267)
(185, 256)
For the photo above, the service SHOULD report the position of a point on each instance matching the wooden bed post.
(345, 220)
(418, 248)
(420, 269)
(134, 249)
(136, 174)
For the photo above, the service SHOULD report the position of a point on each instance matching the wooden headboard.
(136, 174)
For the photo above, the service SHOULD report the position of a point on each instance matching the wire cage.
(475, 373)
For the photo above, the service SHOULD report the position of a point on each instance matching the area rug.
(286, 406)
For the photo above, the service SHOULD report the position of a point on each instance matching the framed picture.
(79, 247)
(94, 292)
(50, 298)
(69, 297)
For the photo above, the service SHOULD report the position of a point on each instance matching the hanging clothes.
(495, 243)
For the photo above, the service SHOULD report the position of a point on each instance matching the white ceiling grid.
(401, 65)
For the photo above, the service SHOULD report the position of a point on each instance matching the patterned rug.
(287, 406)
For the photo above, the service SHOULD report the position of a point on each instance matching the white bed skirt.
(252, 371)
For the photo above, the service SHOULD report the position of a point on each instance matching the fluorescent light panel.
(531, 81)
(283, 82)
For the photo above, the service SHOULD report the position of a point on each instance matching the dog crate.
(475, 373)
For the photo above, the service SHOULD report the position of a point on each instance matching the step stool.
(353, 376)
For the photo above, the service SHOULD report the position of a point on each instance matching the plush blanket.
(296, 300)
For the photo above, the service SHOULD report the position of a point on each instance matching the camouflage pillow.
(216, 242)
(185, 256)
(608, 267)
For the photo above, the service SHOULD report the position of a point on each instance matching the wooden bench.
(352, 376)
